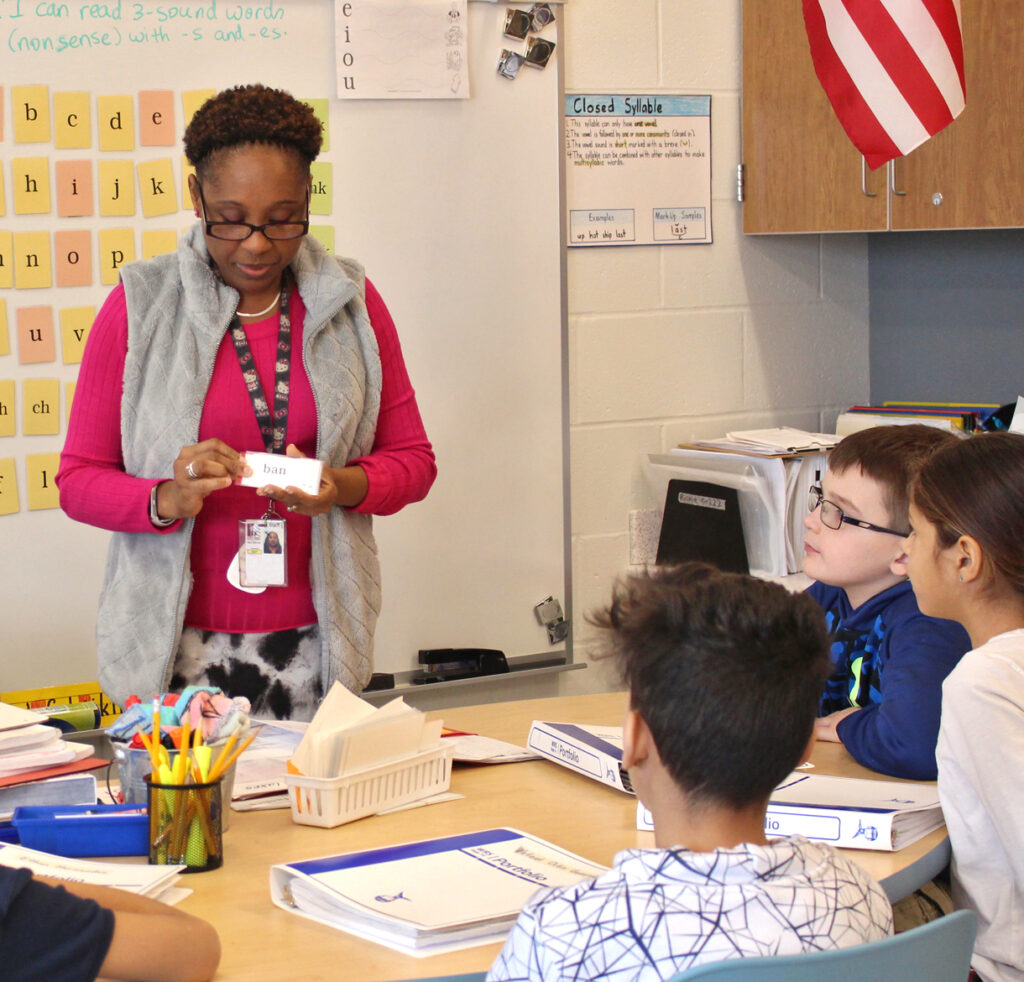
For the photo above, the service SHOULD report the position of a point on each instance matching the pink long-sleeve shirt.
(95, 489)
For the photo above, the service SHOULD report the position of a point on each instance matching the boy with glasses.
(884, 696)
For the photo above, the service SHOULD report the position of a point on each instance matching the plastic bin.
(328, 802)
(84, 830)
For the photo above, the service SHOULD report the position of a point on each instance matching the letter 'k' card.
(283, 472)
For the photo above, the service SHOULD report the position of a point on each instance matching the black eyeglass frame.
(816, 498)
(210, 226)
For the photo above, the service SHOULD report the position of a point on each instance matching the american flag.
(892, 69)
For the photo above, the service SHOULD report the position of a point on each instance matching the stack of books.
(39, 767)
(953, 416)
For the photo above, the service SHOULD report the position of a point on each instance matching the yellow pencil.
(219, 769)
(225, 750)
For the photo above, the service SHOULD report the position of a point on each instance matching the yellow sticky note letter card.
(321, 109)
(117, 187)
(30, 180)
(7, 414)
(116, 247)
(30, 109)
(193, 99)
(187, 170)
(40, 469)
(156, 118)
(35, 335)
(40, 406)
(156, 188)
(75, 323)
(8, 487)
(3, 194)
(72, 120)
(324, 234)
(33, 267)
(73, 257)
(6, 260)
(321, 195)
(74, 188)
(115, 121)
(158, 241)
(5, 338)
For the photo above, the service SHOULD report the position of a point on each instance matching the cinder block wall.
(671, 343)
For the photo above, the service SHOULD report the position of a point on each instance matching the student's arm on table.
(152, 942)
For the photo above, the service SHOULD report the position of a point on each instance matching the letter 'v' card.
(283, 472)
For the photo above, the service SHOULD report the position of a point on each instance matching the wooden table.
(261, 941)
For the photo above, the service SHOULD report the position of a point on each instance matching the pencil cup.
(185, 825)
(133, 764)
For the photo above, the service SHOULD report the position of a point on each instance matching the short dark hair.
(725, 669)
(976, 487)
(249, 114)
(890, 456)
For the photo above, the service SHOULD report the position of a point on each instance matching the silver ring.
(293, 507)
(191, 473)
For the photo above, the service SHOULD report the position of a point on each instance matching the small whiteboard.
(638, 169)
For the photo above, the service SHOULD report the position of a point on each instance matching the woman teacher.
(249, 338)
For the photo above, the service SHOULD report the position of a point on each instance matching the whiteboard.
(454, 209)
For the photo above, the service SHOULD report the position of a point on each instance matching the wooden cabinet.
(802, 174)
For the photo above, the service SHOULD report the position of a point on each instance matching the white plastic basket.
(328, 802)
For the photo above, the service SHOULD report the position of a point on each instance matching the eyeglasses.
(832, 516)
(240, 231)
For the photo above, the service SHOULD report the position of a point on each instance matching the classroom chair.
(939, 951)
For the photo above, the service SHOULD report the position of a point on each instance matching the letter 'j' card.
(262, 560)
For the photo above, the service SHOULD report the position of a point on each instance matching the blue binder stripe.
(451, 843)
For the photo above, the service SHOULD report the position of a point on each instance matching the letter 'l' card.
(283, 472)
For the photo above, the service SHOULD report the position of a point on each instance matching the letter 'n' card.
(283, 472)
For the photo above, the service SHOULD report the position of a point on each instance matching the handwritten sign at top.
(638, 169)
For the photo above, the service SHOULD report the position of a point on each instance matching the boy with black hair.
(883, 698)
(724, 675)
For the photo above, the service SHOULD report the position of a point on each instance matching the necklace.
(265, 310)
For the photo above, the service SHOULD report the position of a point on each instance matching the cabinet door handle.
(892, 180)
(864, 179)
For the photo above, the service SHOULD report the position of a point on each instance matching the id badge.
(262, 556)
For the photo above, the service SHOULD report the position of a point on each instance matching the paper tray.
(328, 802)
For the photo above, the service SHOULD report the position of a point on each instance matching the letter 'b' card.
(283, 472)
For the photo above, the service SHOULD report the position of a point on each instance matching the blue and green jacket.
(889, 659)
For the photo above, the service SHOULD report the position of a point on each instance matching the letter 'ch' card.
(702, 522)
(283, 472)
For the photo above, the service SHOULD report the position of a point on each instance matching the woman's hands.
(199, 470)
(344, 486)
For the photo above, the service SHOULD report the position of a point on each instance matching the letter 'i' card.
(702, 522)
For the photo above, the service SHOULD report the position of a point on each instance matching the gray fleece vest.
(178, 312)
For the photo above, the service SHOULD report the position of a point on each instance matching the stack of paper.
(27, 744)
(348, 734)
(429, 897)
(140, 878)
(773, 441)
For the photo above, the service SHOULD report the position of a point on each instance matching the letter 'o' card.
(283, 472)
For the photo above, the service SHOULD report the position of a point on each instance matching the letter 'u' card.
(283, 472)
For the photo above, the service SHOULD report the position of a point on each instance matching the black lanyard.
(273, 428)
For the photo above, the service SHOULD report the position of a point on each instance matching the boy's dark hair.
(976, 488)
(252, 114)
(890, 456)
(725, 669)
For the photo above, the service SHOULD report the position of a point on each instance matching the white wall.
(672, 343)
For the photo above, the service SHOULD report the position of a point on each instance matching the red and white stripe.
(892, 69)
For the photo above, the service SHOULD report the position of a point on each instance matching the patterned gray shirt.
(660, 911)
